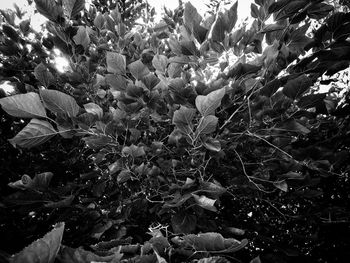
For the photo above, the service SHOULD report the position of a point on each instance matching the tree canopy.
(192, 139)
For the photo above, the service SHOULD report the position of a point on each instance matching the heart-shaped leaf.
(82, 37)
(294, 88)
(209, 103)
(42, 74)
(183, 119)
(116, 63)
(24, 105)
(160, 63)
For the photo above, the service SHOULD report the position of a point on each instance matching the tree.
(195, 129)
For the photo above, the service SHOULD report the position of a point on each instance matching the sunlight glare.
(7, 87)
(62, 64)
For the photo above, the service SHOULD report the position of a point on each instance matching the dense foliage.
(189, 140)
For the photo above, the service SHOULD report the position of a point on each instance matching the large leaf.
(43, 250)
(59, 102)
(138, 69)
(294, 88)
(72, 8)
(209, 103)
(24, 105)
(35, 133)
(116, 63)
(82, 37)
(207, 125)
(42, 74)
(49, 8)
(183, 119)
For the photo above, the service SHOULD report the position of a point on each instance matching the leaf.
(183, 223)
(230, 17)
(319, 10)
(43, 250)
(255, 260)
(82, 37)
(160, 62)
(294, 88)
(133, 151)
(183, 119)
(65, 202)
(211, 242)
(59, 102)
(39, 182)
(205, 202)
(191, 16)
(217, 31)
(138, 69)
(116, 63)
(207, 125)
(123, 176)
(213, 260)
(299, 39)
(276, 6)
(311, 100)
(24, 105)
(49, 8)
(254, 11)
(214, 189)
(35, 133)
(98, 141)
(150, 81)
(212, 144)
(116, 82)
(72, 8)
(293, 125)
(42, 74)
(99, 21)
(272, 28)
(94, 109)
(207, 105)
(271, 87)
(79, 255)
(282, 185)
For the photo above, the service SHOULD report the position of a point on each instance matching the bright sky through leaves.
(62, 63)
